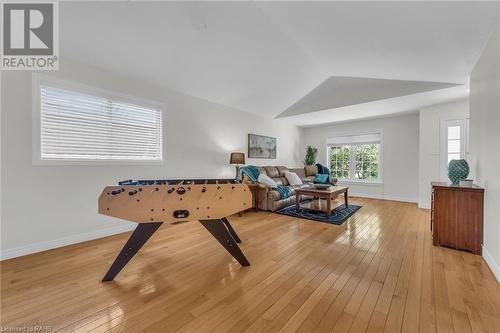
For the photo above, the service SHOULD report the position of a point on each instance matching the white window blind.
(354, 139)
(75, 126)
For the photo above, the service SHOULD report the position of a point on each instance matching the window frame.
(353, 151)
(352, 157)
(329, 147)
(39, 79)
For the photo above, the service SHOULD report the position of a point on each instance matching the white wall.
(430, 150)
(399, 154)
(47, 206)
(485, 143)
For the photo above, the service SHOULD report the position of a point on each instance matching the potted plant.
(310, 158)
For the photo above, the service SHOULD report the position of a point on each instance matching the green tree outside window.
(364, 159)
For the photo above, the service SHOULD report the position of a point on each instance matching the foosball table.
(150, 203)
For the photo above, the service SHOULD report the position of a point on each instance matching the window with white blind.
(81, 126)
(355, 157)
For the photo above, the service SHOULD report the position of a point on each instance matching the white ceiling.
(264, 57)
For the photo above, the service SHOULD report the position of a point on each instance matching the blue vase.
(458, 170)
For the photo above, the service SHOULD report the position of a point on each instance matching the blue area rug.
(339, 215)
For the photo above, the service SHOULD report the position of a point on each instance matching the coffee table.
(331, 193)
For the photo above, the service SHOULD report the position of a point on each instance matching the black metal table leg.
(218, 229)
(231, 230)
(138, 238)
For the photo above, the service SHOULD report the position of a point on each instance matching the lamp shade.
(237, 158)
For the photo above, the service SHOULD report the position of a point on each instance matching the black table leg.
(218, 229)
(231, 230)
(138, 238)
(346, 198)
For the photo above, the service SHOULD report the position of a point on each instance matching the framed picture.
(260, 146)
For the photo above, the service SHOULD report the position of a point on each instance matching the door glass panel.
(453, 132)
(453, 146)
(454, 143)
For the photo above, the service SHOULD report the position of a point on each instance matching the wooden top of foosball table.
(157, 203)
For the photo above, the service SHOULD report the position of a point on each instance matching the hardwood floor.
(377, 272)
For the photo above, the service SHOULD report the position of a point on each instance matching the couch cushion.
(311, 170)
(299, 171)
(279, 181)
(284, 181)
(262, 170)
(321, 178)
(272, 171)
(281, 170)
(266, 180)
(293, 178)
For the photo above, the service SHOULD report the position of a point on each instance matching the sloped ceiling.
(272, 58)
(337, 91)
(380, 108)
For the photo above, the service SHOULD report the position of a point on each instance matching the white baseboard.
(366, 195)
(403, 199)
(495, 268)
(52, 244)
(424, 206)
(382, 197)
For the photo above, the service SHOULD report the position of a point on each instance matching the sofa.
(269, 199)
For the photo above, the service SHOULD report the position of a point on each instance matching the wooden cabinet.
(457, 216)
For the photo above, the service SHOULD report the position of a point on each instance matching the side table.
(254, 188)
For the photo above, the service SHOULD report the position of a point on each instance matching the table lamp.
(238, 159)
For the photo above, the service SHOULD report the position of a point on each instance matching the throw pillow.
(293, 178)
(321, 178)
(266, 180)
